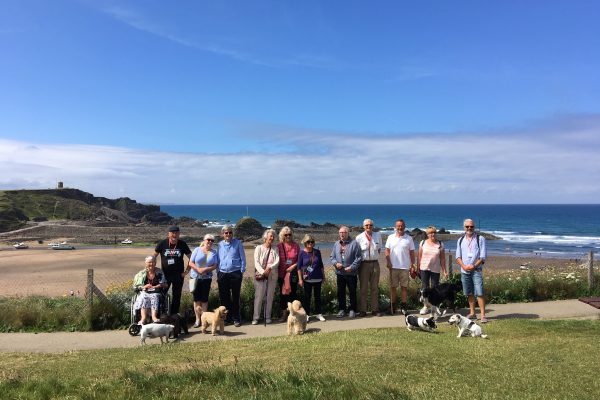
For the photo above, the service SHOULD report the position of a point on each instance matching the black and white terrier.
(466, 326)
(414, 322)
(440, 297)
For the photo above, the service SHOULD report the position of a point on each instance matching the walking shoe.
(254, 322)
(269, 320)
(362, 314)
(320, 317)
(237, 324)
(196, 324)
(424, 310)
(341, 314)
(352, 314)
(484, 320)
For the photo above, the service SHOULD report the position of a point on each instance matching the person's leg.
(143, 315)
(425, 277)
(374, 287)
(225, 294)
(435, 279)
(352, 283)
(177, 283)
(259, 292)
(478, 291)
(316, 287)
(155, 315)
(308, 287)
(364, 272)
(468, 290)
(341, 288)
(272, 284)
(198, 312)
(236, 287)
(204, 286)
(404, 279)
(394, 283)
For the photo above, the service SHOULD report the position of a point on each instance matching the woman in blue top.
(311, 275)
(203, 262)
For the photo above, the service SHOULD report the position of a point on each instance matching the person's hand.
(446, 274)
(469, 267)
(301, 283)
(388, 265)
(267, 272)
(338, 265)
(348, 269)
(290, 269)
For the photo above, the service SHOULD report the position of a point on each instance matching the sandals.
(471, 316)
(484, 320)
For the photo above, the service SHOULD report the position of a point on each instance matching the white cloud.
(522, 166)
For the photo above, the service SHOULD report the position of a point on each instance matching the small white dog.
(466, 326)
(156, 331)
(216, 320)
(297, 319)
(419, 323)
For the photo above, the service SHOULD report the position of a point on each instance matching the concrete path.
(69, 341)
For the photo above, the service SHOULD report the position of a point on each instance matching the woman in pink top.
(288, 277)
(432, 261)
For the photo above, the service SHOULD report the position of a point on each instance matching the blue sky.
(247, 102)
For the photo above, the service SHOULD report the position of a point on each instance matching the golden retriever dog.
(297, 319)
(215, 319)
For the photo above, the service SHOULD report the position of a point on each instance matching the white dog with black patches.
(466, 326)
(419, 323)
(156, 331)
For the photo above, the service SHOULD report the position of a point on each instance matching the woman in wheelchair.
(150, 283)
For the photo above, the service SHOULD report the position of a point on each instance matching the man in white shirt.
(368, 274)
(400, 258)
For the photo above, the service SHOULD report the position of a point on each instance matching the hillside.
(19, 206)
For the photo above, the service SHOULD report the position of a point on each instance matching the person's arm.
(412, 258)
(242, 255)
(275, 263)
(192, 264)
(357, 259)
(333, 257)
(188, 253)
(320, 263)
(257, 261)
(443, 261)
(482, 252)
(215, 261)
(420, 255)
(163, 280)
(299, 268)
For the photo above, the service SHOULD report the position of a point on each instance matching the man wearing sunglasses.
(470, 255)
(232, 264)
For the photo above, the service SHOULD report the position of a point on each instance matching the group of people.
(285, 266)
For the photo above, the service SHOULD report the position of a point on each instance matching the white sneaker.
(269, 321)
(320, 317)
(352, 314)
(341, 314)
(254, 322)
(424, 310)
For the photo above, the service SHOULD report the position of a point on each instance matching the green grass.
(522, 359)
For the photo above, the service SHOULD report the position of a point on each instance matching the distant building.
(59, 185)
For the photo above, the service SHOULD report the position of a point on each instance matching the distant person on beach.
(345, 258)
(203, 262)
(171, 251)
(432, 261)
(266, 263)
(470, 255)
(232, 265)
(368, 273)
(400, 259)
(287, 276)
(150, 282)
(311, 275)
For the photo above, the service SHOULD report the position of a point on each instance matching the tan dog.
(214, 319)
(297, 319)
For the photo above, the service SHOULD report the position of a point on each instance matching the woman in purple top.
(311, 275)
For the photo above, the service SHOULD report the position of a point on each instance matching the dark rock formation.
(248, 229)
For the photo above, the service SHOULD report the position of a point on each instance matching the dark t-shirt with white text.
(171, 256)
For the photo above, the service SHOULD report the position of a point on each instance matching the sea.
(541, 230)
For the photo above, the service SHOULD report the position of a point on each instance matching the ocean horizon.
(548, 230)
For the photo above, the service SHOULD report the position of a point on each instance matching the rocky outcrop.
(248, 229)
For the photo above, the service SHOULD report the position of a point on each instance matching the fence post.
(590, 270)
(90, 294)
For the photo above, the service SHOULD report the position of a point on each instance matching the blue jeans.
(472, 283)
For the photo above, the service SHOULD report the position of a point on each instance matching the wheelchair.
(164, 309)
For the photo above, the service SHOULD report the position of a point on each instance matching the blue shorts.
(472, 283)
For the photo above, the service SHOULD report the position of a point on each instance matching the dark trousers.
(344, 281)
(230, 285)
(308, 289)
(177, 282)
(427, 276)
(285, 298)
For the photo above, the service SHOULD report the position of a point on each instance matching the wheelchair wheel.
(134, 329)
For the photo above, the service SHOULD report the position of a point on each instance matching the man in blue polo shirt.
(470, 255)
(232, 264)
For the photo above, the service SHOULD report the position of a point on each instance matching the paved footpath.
(68, 341)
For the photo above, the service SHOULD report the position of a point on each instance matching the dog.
(443, 294)
(414, 322)
(467, 326)
(215, 319)
(156, 330)
(297, 318)
(177, 321)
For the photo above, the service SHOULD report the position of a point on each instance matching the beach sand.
(42, 271)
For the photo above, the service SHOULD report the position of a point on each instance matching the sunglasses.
(209, 240)
(309, 242)
(287, 234)
(469, 227)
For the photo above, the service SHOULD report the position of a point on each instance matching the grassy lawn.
(522, 359)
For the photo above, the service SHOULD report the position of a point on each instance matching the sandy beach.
(42, 271)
